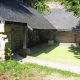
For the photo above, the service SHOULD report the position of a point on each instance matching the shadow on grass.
(76, 51)
(45, 50)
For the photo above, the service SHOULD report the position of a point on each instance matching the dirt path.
(50, 63)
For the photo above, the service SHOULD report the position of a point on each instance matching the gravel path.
(50, 63)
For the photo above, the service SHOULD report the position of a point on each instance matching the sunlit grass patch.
(60, 53)
(13, 70)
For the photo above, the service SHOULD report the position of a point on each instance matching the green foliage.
(30, 74)
(70, 5)
(8, 65)
(9, 54)
(39, 5)
(17, 70)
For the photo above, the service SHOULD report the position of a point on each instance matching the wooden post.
(51, 41)
(24, 37)
(51, 35)
(25, 51)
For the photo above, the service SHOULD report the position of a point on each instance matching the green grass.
(60, 53)
(30, 74)
(16, 69)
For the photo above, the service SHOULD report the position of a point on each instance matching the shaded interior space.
(37, 37)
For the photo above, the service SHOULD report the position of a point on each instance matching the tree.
(39, 5)
(70, 5)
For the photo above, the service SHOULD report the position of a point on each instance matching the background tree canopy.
(71, 5)
(39, 5)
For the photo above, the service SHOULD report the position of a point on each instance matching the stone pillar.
(51, 35)
(51, 41)
(24, 37)
(25, 51)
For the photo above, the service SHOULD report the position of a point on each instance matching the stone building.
(22, 27)
(16, 21)
(66, 23)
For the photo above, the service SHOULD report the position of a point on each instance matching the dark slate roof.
(63, 20)
(15, 11)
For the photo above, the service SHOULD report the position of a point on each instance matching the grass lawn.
(12, 70)
(60, 53)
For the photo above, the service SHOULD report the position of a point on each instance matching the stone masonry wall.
(16, 36)
(66, 37)
(37, 37)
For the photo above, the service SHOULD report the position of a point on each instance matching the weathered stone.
(16, 37)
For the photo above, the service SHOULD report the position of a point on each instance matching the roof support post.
(51, 41)
(24, 37)
(51, 35)
(24, 51)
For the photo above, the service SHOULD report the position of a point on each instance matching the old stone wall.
(66, 36)
(37, 37)
(16, 36)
